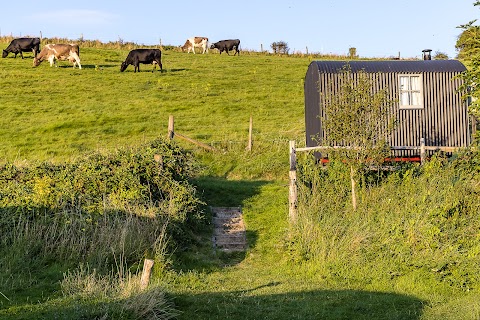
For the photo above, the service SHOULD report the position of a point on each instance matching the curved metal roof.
(394, 66)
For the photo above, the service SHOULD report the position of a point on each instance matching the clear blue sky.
(377, 28)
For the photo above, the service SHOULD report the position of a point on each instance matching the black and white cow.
(227, 45)
(145, 56)
(22, 45)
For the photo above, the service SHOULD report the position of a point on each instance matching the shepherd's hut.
(427, 100)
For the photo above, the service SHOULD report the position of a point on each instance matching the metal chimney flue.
(427, 54)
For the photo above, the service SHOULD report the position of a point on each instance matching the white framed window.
(411, 91)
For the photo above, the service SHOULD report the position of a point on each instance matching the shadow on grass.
(220, 192)
(101, 66)
(317, 304)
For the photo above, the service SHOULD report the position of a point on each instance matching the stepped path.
(229, 233)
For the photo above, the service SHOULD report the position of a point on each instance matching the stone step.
(220, 221)
(239, 238)
(229, 233)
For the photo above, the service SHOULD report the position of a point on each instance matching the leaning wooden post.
(422, 151)
(171, 124)
(250, 130)
(147, 270)
(292, 188)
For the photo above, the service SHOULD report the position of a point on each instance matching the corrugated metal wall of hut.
(443, 121)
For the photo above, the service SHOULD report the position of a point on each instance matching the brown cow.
(195, 42)
(61, 51)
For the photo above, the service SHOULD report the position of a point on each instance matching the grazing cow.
(145, 56)
(61, 51)
(22, 45)
(227, 45)
(195, 42)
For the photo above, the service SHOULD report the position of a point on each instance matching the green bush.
(98, 208)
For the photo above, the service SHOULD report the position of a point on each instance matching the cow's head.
(123, 66)
(4, 54)
(36, 62)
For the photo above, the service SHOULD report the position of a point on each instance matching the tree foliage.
(468, 42)
(359, 118)
(468, 45)
(440, 55)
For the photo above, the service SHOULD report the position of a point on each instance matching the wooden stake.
(147, 270)
(171, 125)
(422, 151)
(250, 130)
(354, 193)
(292, 187)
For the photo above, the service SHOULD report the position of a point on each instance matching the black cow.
(22, 45)
(145, 56)
(227, 45)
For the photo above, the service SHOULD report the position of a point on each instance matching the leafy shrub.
(98, 207)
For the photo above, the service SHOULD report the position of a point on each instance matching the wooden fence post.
(422, 151)
(292, 187)
(250, 132)
(171, 124)
(147, 270)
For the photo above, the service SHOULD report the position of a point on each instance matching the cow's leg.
(52, 61)
(77, 60)
(21, 54)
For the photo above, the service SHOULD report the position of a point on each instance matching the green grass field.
(60, 114)
(55, 113)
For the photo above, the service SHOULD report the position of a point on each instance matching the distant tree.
(280, 47)
(468, 45)
(359, 119)
(440, 56)
(352, 53)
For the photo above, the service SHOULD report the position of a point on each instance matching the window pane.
(404, 83)
(404, 101)
(416, 96)
(415, 83)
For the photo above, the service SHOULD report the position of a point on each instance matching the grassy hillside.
(380, 262)
(56, 113)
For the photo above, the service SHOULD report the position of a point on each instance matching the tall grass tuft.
(119, 292)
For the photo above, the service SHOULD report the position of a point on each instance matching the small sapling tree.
(358, 120)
